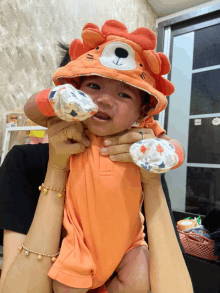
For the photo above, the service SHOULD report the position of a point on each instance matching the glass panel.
(178, 116)
(204, 141)
(202, 190)
(207, 47)
(205, 92)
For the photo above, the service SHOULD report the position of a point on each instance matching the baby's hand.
(70, 104)
(154, 155)
(151, 154)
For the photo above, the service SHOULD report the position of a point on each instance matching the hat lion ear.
(165, 63)
(164, 86)
(77, 48)
(92, 35)
(153, 61)
(157, 62)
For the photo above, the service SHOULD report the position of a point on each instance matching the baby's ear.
(92, 35)
(157, 62)
(143, 113)
(77, 48)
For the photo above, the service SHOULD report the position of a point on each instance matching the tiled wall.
(30, 30)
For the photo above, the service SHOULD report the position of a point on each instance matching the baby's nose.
(105, 100)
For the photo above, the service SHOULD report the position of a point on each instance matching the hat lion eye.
(141, 65)
(97, 48)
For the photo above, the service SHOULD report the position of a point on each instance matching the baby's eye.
(94, 86)
(123, 95)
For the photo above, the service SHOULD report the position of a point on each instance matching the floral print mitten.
(70, 104)
(155, 155)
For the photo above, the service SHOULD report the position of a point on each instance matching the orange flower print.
(62, 88)
(160, 149)
(52, 102)
(143, 149)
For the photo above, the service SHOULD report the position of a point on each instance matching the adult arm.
(11, 241)
(168, 271)
(27, 272)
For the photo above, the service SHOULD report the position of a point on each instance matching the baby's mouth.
(101, 116)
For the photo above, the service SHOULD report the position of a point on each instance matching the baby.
(71, 104)
(121, 73)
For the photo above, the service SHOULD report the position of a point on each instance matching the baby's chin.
(100, 131)
(94, 129)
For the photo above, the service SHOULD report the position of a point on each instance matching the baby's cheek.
(126, 121)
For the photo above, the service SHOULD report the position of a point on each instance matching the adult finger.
(75, 148)
(67, 130)
(130, 136)
(115, 149)
(121, 158)
(55, 125)
(76, 133)
(53, 120)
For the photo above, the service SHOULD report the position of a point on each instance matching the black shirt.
(22, 172)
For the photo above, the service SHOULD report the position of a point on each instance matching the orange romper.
(102, 216)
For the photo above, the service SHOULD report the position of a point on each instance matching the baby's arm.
(33, 113)
(64, 101)
(178, 146)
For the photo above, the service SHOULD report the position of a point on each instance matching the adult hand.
(117, 146)
(65, 139)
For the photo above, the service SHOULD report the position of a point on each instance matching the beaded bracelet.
(45, 189)
(39, 255)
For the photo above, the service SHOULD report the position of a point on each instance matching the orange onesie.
(102, 216)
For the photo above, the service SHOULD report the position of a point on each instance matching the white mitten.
(70, 104)
(155, 155)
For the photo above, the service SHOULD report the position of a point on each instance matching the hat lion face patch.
(119, 56)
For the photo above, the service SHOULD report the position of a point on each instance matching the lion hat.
(114, 53)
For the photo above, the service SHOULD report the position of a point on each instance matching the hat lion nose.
(121, 53)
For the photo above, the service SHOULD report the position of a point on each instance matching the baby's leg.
(132, 273)
(61, 288)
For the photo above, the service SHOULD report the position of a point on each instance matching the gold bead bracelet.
(39, 255)
(45, 189)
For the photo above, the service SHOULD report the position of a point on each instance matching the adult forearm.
(27, 273)
(168, 271)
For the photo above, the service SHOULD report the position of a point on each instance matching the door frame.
(184, 22)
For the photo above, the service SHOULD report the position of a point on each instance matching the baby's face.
(119, 105)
